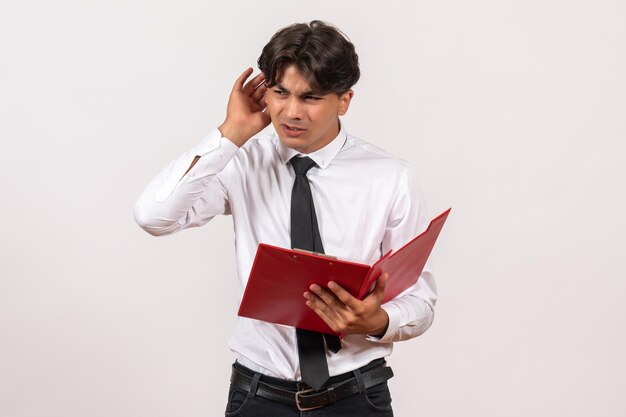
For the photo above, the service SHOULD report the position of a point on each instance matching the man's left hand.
(346, 314)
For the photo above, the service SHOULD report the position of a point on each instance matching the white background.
(512, 113)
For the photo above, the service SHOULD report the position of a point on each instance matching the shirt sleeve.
(410, 313)
(175, 200)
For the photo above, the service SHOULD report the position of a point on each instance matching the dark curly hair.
(322, 54)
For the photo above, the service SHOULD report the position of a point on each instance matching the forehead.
(292, 80)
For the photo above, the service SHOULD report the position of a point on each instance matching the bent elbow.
(147, 220)
(427, 321)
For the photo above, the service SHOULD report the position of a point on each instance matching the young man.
(310, 185)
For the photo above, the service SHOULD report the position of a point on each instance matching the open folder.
(279, 278)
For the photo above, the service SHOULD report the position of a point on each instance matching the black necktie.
(305, 234)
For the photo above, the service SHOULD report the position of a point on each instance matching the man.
(309, 185)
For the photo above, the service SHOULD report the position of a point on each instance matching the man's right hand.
(245, 115)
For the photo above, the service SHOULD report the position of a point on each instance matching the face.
(304, 120)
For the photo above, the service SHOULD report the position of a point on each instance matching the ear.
(344, 102)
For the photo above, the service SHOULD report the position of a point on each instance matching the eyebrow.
(304, 94)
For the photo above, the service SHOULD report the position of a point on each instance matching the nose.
(293, 108)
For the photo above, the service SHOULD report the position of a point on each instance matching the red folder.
(279, 278)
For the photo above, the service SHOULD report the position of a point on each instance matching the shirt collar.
(322, 157)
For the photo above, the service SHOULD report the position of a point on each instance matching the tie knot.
(302, 165)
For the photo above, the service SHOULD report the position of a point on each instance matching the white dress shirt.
(366, 202)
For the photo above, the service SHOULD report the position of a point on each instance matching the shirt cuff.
(214, 140)
(394, 324)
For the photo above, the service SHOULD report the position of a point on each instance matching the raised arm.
(192, 189)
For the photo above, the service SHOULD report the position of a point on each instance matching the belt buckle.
(305, 391)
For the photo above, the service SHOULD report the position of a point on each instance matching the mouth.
(292, 131)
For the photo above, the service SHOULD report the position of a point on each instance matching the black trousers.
(375, 401)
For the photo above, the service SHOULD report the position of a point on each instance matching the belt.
(309, 399)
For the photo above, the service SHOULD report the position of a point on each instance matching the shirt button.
(191, 174)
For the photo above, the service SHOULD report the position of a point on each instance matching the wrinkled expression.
(303, 119)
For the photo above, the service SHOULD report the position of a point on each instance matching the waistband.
(295, 385)
(300, 395)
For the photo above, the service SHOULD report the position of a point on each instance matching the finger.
(318, 305)
(262, 101)
(265, 117)
(259, 92)
(344, 296)
(242, 78)
(328, 297)
(254, 83)
(341, 313)
(379, 289)
(329, 321)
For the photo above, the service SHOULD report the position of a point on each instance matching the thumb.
(381, 283)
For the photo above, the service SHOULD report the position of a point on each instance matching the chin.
(295, 143)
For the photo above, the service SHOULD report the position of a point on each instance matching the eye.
(312, 98)
(280, 92)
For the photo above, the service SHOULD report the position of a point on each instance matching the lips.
(292, 131)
